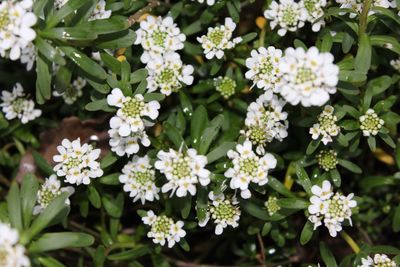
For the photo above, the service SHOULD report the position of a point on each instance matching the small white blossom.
(183, 170)
(370, 123)
(379, 260)
(218, 39)
(138, 177)
(326, 126)
(308, 77)
(287, 14)
(395, 63)
(16, 33)
(158, 36)
(72, 93)
(266, 121)
(16, 105)
(78, 163)
(314, 10)
(263, 67)
(329, 208)
(28, 56)
(50, 189)
(164, 229)
(168, 73)
(130, 117)
(100, 11)
(12, 254)
(209, 2)
(248, 168)
(128, 145)
(223, 212)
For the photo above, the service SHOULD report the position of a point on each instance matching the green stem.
(364, 17)
(350, 241)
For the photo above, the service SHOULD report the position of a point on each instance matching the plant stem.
(364, 17)
(350, 241)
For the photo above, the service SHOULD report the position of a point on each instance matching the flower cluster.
(100, 11)
(73, 92)
(272, 205)
(329, 208)
(12, 254)
(308, 77)
(50, 189)
(158, 36)
(16, 33)
(395, 63)
(183, 170)
(138, 177)
(224, 212)
(16, 105)
(315, 11)
(266, 121)
(327, 159)
(326, 126)
(209, 2)
(164, 229)
(370, 123)
(263, 67)
(358, 6)
(379, 260)
(225, 85)
(248, 168)
(128, 125)
(168, 73)
(218, 39)
(78, 163)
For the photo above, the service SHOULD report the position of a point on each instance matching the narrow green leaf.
(220, 151)
(29, 190)
(94, 196)
(349, 165)
(306, 233)
(130, 254)
(42, 164)
(210, 133)
(362, 61)
(304, 180)
(14, 207)
(327, 255)
(54, 241)
(396, 219)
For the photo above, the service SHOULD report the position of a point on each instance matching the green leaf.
(397, 155)
(376, 87)
(279, 187)
(248, 37)
(99, 256)
(174, 135)
(202, 203)
(184, 245)
(304, 180)
(97, 105)
(68, 8)
(312, 146)
(29, 190)
(84, 62)
(186, 104)
(233, 12)
(50, 262)
(43, 80)
(48, 51)
(176, 10)
(386, 41)
(396, 219)
(108, 160)
(198, 124)
(336, 178)
(66, 34)
(138, 76)
(116, 40)
(362, 61)
(186, 206)
(352, 76)
(106, 26)
(254, 210)
(94, 196)
(210, 133)
(14, 207)
(349, 165)
(131, 254)
(266, 228)
(114, 207)
(306, 233)
(293, 203)
(327, 255)
(388, 140)
(54, 241)
(111, 179)
(220, 151)
(42, 164)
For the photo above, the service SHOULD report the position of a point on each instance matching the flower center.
(181, 168)
(289, 16)
(73, 162)
(327, 159)
(224, 211)
(4, 19)
(162, 225)
(3, 256)
(371, 122)
(216, 35)
(249, 166)
(310, 5)
(304, 75)
(18, 105)
(159, 37)
(132, 107)
(336, 208)
(144, 177)
(167, 75)
(45, 196)
(226, 86)
(257, 134)
(266, 66)
(272, 205)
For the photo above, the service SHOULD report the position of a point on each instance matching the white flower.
(248, 168)
(12, 254)
(287, 14)
(370, 123)
(209, 2)
(78, 163)
(183, 170)
(308, 77)
(164, 229)
(51, 188)
(266, 121)
(138, 177)
(329, 208)
(223, 212)
(326, 126)
(168, 74)
(16, 105)
(131, 112)
(28, 56)
(218, 39)
(158, 36)
(16, 33)
(100, 11)
(395, 63)
(128, 145)
(314, 10)
(263, 67)
(379, 260)
(72, 93)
